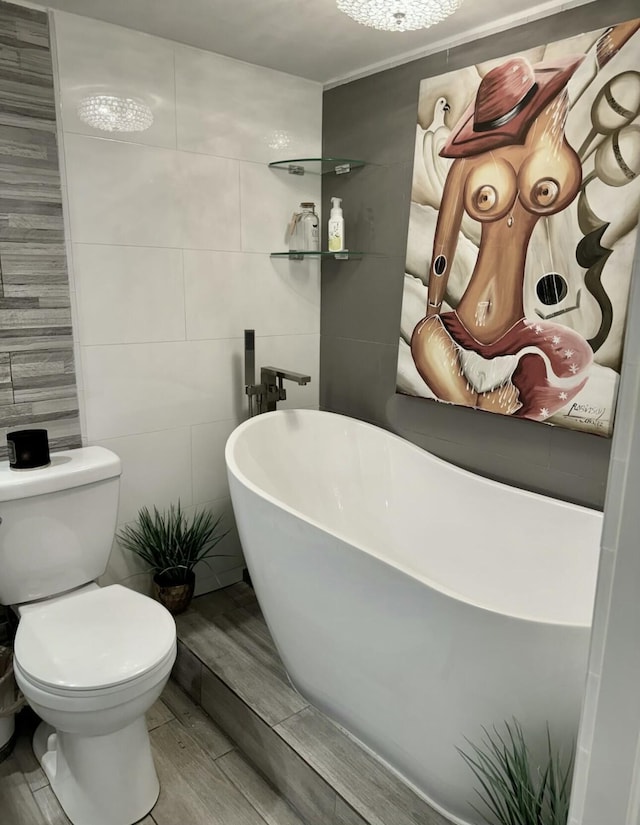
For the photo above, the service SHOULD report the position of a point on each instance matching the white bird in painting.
(430, 170)
(439, 111)
(435, 137)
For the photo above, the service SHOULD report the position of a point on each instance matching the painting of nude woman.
(522, 235)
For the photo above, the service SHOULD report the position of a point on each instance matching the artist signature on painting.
(588, 414)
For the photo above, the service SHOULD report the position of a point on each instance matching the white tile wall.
(122, 193)
(237, 110)
(170, 231)
(150, 278)
(156, 469)
(96, 58)
(207, 459)
(268, 199)
(141, 388)
(246, 283)
(208, 201)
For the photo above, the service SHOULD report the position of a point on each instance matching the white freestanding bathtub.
(411, 601)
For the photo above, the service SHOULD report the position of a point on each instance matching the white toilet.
(90, 660)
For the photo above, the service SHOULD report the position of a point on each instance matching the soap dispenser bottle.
(336, 226)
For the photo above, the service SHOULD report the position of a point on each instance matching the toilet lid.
(95, 639)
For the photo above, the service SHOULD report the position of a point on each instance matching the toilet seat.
(93, 643)
(119, 692)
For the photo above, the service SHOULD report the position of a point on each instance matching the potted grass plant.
(514, 789)
(172, 543)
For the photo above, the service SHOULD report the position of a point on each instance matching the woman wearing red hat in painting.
(513, 165)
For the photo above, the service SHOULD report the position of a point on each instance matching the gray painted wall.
(374, 119)
(37, 377)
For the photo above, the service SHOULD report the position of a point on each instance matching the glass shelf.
(317, 166)
(345, 255)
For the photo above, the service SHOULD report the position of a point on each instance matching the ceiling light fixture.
(399, 15)
(115, 114)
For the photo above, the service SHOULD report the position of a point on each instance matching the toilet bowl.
(90, 660)
(90, 664)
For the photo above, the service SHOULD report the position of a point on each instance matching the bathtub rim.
(233, 468)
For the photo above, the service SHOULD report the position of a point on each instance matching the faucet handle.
(278, 390)
(271, 389)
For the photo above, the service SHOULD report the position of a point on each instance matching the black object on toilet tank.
(28, 449)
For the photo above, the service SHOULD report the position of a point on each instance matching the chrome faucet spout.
(287, 375)
(263, 397)
(272, 391)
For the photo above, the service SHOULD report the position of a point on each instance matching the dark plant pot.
(175, 597)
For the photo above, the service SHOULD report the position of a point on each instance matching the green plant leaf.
(512, 789)
(172, 543)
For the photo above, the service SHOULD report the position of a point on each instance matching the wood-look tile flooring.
(204, 780)
(229, 664)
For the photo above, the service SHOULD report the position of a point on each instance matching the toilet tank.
(58, 523)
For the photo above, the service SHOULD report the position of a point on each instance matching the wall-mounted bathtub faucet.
(270, 390)
(271, 379)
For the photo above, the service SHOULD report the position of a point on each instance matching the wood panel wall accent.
(37, 376)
